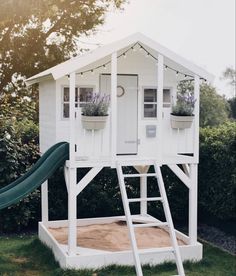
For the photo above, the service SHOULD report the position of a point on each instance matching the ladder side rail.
(169, 220)
(129, 221)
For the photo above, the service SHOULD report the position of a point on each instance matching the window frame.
(143, 102)
(78, 102)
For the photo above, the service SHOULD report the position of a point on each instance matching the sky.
(202, 31)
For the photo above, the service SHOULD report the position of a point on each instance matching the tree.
(36, 35)
(230, 75)
(214, 109)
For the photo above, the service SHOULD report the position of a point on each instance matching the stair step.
(139, 175)
(152, 224)
(145, 199)
(156, 250)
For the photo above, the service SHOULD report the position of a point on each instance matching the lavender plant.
(185, 105)
(98, 106)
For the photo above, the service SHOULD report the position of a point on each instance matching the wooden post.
(113, 107)
(193, 195)
(160, 79)
(72, 213)
(143, 194)
(196, 117)
(44, 202)
(72, 119)
(72, 197)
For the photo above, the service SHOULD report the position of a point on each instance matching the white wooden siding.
(95, 144)
(47, 114)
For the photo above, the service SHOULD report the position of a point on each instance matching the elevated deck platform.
(134, 160)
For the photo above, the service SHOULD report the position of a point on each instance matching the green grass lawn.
(28, 256)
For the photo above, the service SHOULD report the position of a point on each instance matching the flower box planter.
(93, 122)
(181, 122)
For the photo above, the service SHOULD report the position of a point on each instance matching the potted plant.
(182, 113)
(95, 112)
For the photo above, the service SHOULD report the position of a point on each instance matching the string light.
(148, 54)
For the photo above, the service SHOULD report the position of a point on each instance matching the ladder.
(169, 223)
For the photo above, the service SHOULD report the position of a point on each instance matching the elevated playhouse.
(141, 78)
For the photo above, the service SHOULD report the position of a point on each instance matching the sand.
(114, 237)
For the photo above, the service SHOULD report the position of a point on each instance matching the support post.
(72, 197)
(160, 79)
(143, 193)
(44, 202)
(196, 117)
(113, 107)
(72, 213)
(72, 119)
(193, 195)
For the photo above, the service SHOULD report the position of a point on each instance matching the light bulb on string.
(92, 72)
(147, 55)
(124, 55)
(104, 66)
(166, 67)
(133, 49)
(81, 74)
(177, 73)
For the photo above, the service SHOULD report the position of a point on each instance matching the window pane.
(86, 94)
(166, 97)
(66, 110)
(66, 94)
(150, 110)
(150, 95)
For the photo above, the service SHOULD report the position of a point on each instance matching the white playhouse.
(141, 78)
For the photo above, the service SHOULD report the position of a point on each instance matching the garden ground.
(26, 255)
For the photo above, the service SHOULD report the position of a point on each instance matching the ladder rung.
(156, 250)
(152, 224)
(145, 199)
(139, 175)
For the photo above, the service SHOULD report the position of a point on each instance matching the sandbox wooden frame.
(92, 258)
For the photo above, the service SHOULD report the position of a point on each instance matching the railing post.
(196, 117)
(160, 79)
(113, 133)
(72, 198)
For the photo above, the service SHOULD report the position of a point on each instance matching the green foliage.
(24, 255)
(232, 104)
(217, 172)
(18, 150)
(36, 35)
(213, 107)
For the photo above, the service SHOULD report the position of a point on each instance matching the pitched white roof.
(79, 62)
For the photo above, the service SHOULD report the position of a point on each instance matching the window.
(150, 102)
(166, 98)
(82, 95)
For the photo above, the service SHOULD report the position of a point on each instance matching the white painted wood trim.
(196, 117)
(72, 213)
(44, 202)
(72, 119)
(113, 107)
(193, 196)
(87, 179)
(180, 174)
(160, 79)
(66, 176)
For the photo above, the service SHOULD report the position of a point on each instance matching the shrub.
(18, 151)
(217, 172)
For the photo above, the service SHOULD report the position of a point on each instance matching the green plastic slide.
(36, 176)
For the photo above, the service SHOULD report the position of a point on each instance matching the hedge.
(217, 181)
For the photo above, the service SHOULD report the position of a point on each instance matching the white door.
(127, 111)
